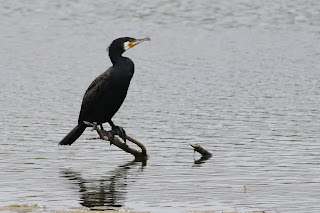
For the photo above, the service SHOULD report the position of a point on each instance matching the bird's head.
(120, 45)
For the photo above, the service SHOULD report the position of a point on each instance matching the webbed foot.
(120, 131)
(110, 134)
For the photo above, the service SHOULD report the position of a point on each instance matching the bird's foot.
(120, 131)
(110, 134)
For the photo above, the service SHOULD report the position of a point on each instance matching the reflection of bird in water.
(107, 92)
(99, 194)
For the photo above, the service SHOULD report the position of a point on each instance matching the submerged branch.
(139, 156)
(202, 151)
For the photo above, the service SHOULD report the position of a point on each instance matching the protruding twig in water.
(202, 151)
(139, 156)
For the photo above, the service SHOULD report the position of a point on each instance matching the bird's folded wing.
(94, 92)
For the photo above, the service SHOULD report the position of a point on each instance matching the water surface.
(241, 78)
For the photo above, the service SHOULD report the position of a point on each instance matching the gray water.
(241, 78)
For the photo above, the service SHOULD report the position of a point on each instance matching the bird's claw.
(110, 134)
(120, 131)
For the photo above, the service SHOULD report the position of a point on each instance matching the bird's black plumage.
(107, 92)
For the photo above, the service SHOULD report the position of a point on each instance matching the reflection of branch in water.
(104, 192)
(202, 159)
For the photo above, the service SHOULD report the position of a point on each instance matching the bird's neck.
(115, 57)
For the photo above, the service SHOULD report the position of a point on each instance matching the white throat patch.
(126, 45)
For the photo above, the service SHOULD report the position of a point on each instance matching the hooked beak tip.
(143, 39)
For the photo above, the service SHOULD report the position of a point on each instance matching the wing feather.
(94, 93)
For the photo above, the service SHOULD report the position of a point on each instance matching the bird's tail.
(73, 135)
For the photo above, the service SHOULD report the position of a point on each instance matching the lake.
(240, 78)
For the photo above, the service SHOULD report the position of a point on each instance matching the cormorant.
(107, 92)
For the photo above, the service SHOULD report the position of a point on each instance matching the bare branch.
(139, 156)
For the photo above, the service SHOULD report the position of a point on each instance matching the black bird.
(107, 92)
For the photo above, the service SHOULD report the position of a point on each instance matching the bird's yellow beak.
(128, 44)
(137, 41)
